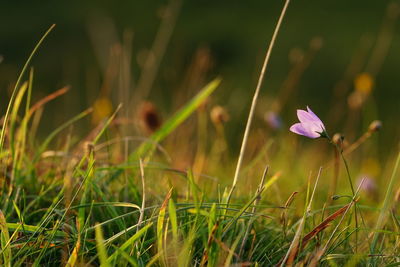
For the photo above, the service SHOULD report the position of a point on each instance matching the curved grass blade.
(130, 242)
(4, 240)
(170, 125)
(382, 215)
(47, 141)
(14, 93)
(101, 249)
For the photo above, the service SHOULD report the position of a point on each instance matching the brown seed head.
(337, 139)
(149, 118)
(219, 115)
(375, 126)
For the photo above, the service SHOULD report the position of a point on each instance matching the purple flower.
(369, 184)
(310, 125)
(273, 119)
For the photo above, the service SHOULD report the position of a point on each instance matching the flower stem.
(340, 150)
(347, 171)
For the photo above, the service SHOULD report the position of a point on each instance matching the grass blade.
(4, 240)
(171, 124)
(385, 206)
(130, 242)
(14, 93)
(172, 218)
(101, 249)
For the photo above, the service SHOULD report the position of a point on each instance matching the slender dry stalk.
(373, 127)
(255, 97)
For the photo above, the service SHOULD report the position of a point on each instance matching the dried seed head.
(337, 139)
(375, 126)
(149, 118)
(219, 115)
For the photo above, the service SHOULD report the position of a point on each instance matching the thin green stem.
(340, 150)
(347, 171)
(354, 194)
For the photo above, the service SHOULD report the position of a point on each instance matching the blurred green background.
(231, 36)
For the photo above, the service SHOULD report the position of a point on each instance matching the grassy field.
(142, 190)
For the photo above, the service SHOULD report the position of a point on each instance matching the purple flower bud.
(369, 184)
(310, 125)
(273, 120)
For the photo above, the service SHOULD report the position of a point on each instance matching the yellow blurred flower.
(364, 83)
(102, 108)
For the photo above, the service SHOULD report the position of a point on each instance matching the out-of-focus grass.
(156, 194)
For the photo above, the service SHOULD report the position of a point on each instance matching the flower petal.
(313, 129)
(315, 117)
(305, 129)
(304, 116)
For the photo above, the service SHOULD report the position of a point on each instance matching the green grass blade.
(52, 135)
(130, 242)
(14, 114)
(108, 122)
(101, 249)
(74, 255)
(4, 240)
(14, 93)
(232, 249)
(382, 215)
(31, 229)
(171, 124)
(172, 218)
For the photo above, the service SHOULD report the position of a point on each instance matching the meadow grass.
(110, 199)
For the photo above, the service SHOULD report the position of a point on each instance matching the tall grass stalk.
(255, 98)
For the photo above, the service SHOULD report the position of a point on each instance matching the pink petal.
(304, 116)
(297, 128)
(315, 117)
(305, 129)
